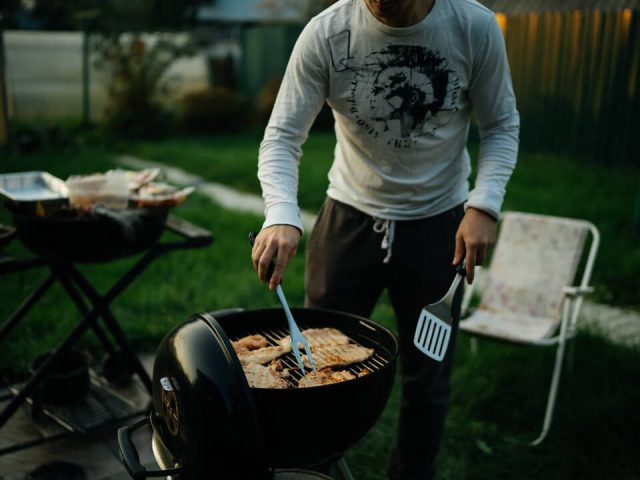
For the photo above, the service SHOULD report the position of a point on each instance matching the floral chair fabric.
(535, 258)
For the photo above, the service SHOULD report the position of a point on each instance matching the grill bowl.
(332, 418)
(88, 238)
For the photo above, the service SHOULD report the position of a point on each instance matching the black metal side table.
(91, 305)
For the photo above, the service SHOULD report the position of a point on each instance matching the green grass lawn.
(232, 160)
(545, 184)
(498, 395)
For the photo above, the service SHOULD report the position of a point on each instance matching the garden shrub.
(222, 72)
(137, 68)
(214, 110)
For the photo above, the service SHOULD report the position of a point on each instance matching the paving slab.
(96, 452)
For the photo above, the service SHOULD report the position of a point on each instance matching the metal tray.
(32, 187)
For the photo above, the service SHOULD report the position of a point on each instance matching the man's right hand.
(279, 242)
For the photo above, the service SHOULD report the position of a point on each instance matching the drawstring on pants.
(388, 227)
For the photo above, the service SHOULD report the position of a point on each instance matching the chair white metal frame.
(529, 297)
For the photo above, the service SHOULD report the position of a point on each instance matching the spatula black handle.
(272, 265)
(460, 268)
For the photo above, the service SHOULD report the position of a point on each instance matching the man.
(402, 78)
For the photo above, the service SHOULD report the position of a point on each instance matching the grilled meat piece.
(330, 349)
(260, 376)
(325, 377)
(256, 349)
(333, 356)
(277, 366)
(318, 337)
(262, 355)
(250, 342)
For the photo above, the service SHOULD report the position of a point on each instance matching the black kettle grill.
(88, 237)
(208, 423)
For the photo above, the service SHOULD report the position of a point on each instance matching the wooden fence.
(577, 79)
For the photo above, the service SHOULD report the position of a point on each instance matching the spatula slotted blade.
(434, 331)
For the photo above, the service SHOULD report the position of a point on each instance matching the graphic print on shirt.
(399, 92)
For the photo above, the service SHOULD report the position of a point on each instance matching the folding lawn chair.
(529, 297)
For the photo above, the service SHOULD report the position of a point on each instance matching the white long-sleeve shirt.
(402, 100)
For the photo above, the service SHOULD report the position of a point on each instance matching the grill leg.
(25, 307)
(101, 304)
(343, 469)
(77, 299)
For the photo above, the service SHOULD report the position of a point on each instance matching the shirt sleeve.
(299, 100)
(491, 93)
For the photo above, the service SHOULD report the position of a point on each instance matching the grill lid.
(205, 412)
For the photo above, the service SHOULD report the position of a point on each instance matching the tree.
(133, 60)
(136, 65)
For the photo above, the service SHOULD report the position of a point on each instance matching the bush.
(136, 67)
(37, 136)
(214, 110)
(222, 72)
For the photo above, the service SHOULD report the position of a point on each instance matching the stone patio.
(96, 452)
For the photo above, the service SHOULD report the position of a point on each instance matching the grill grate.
(373, 363)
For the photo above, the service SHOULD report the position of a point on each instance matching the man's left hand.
(476, 234)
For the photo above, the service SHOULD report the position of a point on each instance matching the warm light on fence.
(575, 71)
(502, 21)
(626, 19)
(633, 76)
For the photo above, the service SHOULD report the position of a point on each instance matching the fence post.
(636, 214)
(86, 85)
(4, 117)
(86, 19)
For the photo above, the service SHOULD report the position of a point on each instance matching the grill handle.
(131, 459)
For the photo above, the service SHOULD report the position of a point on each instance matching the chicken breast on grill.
(262, 355)
(332, 356)
(325, 377)
(278, 366)
(318, 337)
(260, 376)
(250, 342)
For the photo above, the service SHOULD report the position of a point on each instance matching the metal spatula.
(434, 325)
(294, 331)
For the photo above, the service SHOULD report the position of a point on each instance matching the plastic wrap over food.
(110, 189)
(160, 195)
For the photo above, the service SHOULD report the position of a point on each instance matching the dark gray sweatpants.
(345, 271)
